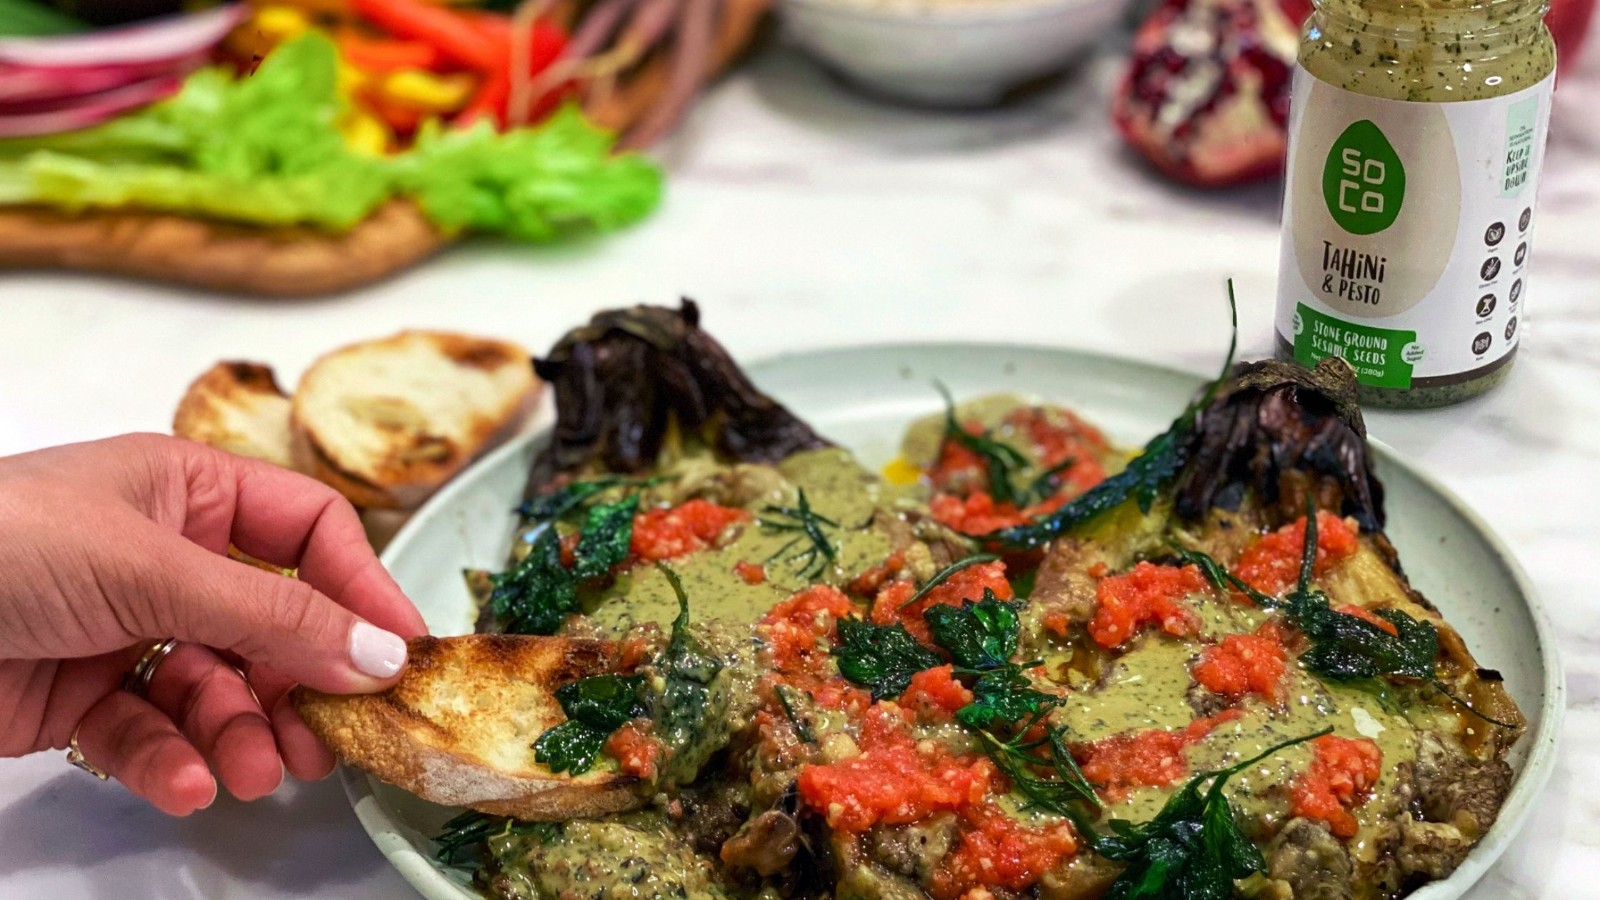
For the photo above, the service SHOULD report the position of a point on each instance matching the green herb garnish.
(1004, 696)
(1344, 648)
(538, 593)
(1142, 481)
(606, 536)
(1002, 462)
(817, 550)
(468, 831)
(1060, 789)
(558, 503)
(1193, 849)
(979, 636)
(688, 669)
(595, 707)
(881, 658)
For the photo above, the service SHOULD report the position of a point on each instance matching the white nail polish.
(376, 652)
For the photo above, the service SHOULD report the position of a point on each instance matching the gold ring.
(138, 679)
(75, 757)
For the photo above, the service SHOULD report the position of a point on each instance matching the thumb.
(271, 619)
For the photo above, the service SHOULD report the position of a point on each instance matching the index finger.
(296, 522)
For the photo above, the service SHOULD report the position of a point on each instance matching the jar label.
(1406, 229)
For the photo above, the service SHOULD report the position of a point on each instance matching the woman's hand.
(108, 546)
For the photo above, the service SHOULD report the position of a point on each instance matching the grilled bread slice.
(459, 727)
(386, 422)
(238, 407)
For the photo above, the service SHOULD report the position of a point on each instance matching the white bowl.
(948, 52)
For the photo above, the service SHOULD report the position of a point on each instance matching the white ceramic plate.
(863, 397)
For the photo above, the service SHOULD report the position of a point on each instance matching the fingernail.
(376, 652)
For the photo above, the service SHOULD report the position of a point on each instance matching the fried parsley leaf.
(558, 503)
(978, 636)
(595, 707)
(1004, 696)
(1002, 463)
(538, 593)
(607, 534)
(881, 658)
(1193, 849)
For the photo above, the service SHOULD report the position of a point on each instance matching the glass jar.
(1416, 135)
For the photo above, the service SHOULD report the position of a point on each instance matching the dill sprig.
(817, 550)
(466, 833)
(1061, 788)
(944, 574)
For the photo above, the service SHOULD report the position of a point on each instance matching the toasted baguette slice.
(387, 422)
(246, 259)
(458, 729)
(238, 407)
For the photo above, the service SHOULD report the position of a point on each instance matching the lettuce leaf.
(532, 184)
(266, 149)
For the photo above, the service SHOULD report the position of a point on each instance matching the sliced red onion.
(168, 38)
(20, 84)
(34, 118)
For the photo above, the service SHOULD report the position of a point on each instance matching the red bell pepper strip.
(382, 55)
(545, 44)
(456, 36)
(489, 102)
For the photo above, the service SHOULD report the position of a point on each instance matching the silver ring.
(75, 757)
(138, 679)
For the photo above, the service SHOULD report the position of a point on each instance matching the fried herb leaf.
(1193, 849)
(607, 534)
(595, 707)
(1345, 648)
(881, 658)
(1142, 482)
(557, 504)
(464, 834)
(1223, 580)
(538, 593)
(978, 636)
(1002, 697)
(687, 704)
(1002, 463)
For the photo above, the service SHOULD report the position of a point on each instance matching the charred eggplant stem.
(1278, 431)
(631, 377)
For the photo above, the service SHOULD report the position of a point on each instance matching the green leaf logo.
(1363, 181)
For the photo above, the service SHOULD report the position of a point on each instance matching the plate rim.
(1529, 785)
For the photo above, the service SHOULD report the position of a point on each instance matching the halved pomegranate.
(1206, 96)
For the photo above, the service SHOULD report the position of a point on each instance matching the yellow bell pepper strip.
(427, 92)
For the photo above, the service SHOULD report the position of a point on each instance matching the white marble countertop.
(802, 215)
